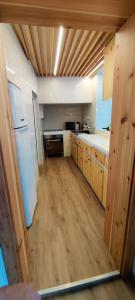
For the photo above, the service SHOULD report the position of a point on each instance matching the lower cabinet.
(94, 165)
(97, 178)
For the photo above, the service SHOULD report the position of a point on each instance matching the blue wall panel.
(3, 275)
(103, 107)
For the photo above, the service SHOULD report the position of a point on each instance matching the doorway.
(65, 224)
(123, 121)
(37, 126)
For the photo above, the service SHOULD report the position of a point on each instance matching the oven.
(53, 145)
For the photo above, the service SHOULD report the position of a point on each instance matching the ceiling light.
(58, 49)
(96, 68)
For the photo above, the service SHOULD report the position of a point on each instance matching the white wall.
(65, 90)
(56, 114)
(21, 73)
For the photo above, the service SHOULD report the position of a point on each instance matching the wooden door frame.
(119, 225)
(13, 240)
(11, 177)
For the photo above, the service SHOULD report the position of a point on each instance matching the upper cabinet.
(56, 90)
(109, 54)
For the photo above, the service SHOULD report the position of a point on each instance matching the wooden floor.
(116, 290)
(66, 238)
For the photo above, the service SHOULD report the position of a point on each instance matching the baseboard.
(77, 285)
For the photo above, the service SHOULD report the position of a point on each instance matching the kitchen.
(69, 115)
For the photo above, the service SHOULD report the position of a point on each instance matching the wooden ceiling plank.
(63, 52)
(41, 50)
(29, 44)
(101, 41)
(96, 7)
(47, 50)
(68, 42)
(84, 37)
(92, 62)
(62, 48)
(56, 30)
(51, 51)
(42, 40)
(21, 38)
(24, 14)
(83, 52)
(88, 50)
(77, 42)
(100, 47)
(71, 52)
(35, 40)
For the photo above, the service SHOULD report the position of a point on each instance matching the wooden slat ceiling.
(81, 50)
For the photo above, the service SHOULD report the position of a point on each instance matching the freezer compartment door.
(18, 106)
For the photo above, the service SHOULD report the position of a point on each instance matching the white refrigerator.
(25, 151)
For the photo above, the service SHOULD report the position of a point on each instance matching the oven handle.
(57, 140)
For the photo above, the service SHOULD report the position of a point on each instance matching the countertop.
(54, 132)
(99, 140)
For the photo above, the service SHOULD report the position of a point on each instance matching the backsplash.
(55, 116)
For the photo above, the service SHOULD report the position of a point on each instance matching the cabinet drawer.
(98, 155)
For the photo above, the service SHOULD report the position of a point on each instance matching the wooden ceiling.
(98, 15)
(81, 50)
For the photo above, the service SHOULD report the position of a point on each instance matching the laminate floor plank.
(66, 237)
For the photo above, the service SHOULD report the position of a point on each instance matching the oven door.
(53, 146)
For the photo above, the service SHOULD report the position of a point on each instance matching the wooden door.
(97, 178)
(13, 240)
(122, 144)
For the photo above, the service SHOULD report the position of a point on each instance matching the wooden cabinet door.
(67, 143)
(97, 178)
(72, 148)
(105, 187)
(80, 157)
(87, 166)
(75, 152)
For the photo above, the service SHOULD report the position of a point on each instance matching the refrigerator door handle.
(23, 128)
